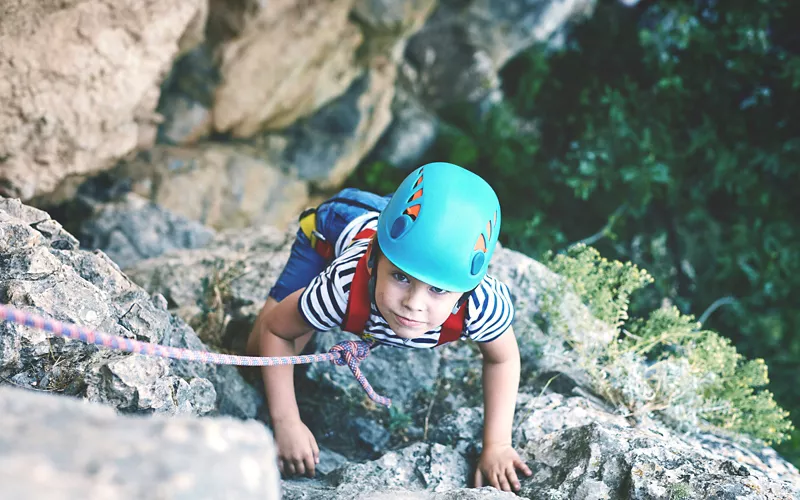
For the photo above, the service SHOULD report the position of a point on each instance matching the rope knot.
(350, 349)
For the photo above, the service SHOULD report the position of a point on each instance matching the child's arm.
(283, 331)
(499, 461)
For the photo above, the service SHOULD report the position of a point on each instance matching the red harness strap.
(358, 304)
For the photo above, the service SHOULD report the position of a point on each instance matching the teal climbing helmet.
(441, 226)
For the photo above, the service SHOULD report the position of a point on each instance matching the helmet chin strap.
(372, 267)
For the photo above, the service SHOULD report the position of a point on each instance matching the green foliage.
(606, 284)
(665, 364)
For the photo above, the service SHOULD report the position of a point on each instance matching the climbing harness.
(349, 352)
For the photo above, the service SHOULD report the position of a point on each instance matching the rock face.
(457, 55)
(57, 447)
(290, 58)
(219, 186)
(133, 229)
(313, 86)
(41, 270)
(80, 83)
(426, 447)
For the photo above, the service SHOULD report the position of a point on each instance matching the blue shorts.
(333, 216)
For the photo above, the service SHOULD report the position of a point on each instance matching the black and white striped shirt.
(324, 301)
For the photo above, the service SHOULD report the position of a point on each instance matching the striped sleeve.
(323, 303)
(491, 310)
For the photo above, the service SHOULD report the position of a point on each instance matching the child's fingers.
(501, 482)
(478, 478)
(299, 467)
(309, 466)
(513, 480)
(315, 450)
(519, 464)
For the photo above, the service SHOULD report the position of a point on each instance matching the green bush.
(665, 365)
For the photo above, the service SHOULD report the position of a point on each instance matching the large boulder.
(133, 228)
(43, 271)
(217, 185)
(457, 55)
(60, 448)
(290, 58)
(81, 83)
(326, 147)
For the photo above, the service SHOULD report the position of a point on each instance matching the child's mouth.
(409, 323)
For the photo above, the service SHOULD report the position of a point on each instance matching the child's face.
(411, 307)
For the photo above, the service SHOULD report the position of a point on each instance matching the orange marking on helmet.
(495, 219)
(415, 195)
(489, 229)
(481, 244)
(418, 181)
(413, 210)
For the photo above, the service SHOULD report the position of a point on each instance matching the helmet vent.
(480, 249)
(412, 211)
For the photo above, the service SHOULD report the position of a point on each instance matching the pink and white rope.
(349, 352)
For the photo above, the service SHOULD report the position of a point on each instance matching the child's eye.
(399, 277)
(438, 291)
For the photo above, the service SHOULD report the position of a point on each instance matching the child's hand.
(298, 452)
(497, 467)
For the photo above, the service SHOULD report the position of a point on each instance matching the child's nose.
(414, 300)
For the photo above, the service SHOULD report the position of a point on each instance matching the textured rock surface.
(242, 264)
(214, 185)
(426, 448)
(290, 58)
(41, 270)
(58, 447)
(458, 53)
(80, 83)
(417, 471)
(133, 229)
(600, 461)
(328, 146)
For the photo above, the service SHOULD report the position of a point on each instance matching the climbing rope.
(349, 352)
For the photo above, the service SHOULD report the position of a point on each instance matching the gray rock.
(456, 56)
(329, 461)
(58, 447)
(416, 467)
(187, 96)
(600, 461)
(419, 471)
(326, 147)
(461, 429)
(371, 435)
(89, 289)
(241, 265)
(412, 131)
(134, 229)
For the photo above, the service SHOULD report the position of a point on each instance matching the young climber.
(405, 271)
